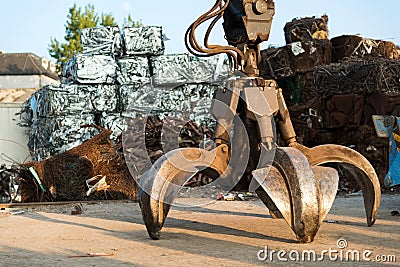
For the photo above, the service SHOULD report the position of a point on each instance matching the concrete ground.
(214, 233)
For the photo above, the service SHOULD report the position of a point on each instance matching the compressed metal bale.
(298, 57)
(89, 69)
(306, 29)
(105, 40)
(103, 97)
(9, 183)
(171, 69)
(208, 69)
(133, 69)
(147, 40)
(190, 101)
(347, 46)
(63, 99)
(182, 68)
(125, 95)
(52, 135)
(114, 122)
(358, 76)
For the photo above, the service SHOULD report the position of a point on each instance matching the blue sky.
(27, 25)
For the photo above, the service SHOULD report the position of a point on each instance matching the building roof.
(24, 64)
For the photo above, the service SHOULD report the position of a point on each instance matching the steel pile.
(333, 87)
(76, 174)
(118, 77)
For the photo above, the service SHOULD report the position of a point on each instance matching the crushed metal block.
(182, 68)
(89, 69)
(146, 40)
(103, 97)
(133, 69)
(306, 29)
(114, 122)
(53, 135)
(353, 46)
(298, 57)
(209, 69)
(170, 69)
(105, 40)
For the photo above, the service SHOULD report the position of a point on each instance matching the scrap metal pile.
(116, 75)
(333, 87)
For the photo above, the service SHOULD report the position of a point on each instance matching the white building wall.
(25, 81)
(13, 141)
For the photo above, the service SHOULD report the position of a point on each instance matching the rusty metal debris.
(294, 58)
(306, 29)
(64, 175)
(353, 46)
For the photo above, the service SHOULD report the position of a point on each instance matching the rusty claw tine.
(294, 191)
(160, 184)
(363, 172)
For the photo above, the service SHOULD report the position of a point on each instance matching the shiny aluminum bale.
(133, 69)
(191, 99)
(182, 68)
(9, 184)
(114, 122)
(146, 40)
(171, 69)
(63, 99)
(89, 69)
(105, 40)
(208, 69)
(52, 135)
(125, 94)
(103, 97)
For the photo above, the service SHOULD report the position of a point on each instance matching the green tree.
(129, 22)
(77, 20)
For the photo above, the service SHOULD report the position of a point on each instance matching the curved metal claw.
(160, 184)
(301, 194)
(362, 171)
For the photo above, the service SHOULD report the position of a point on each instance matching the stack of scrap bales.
(332, 100)
(119, 77)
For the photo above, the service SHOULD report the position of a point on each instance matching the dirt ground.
(208, 232)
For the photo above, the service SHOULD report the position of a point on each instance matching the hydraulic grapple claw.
(360, 168)
(300, 193)
(294, 185)
(160, 184)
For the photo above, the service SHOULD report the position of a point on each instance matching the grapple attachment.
(301, 194)
(160, 184)
(359, 168)
(291, 183)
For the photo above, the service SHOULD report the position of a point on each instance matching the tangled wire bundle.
(65, 175)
